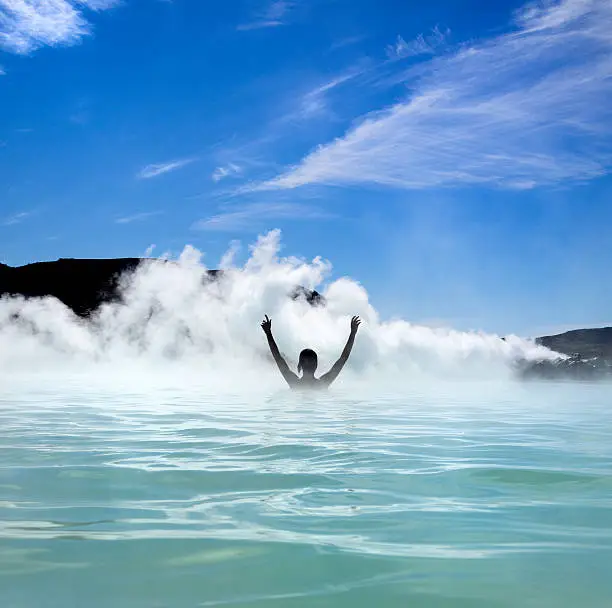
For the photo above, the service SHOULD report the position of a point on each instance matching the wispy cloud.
(254, 215)
(300, 102)
(160, 168)
(315, 101)
(526, 108)
(2, 71)
(17, 218)
(275, 13)
(347, 41)
(26, 25)
(422, 45)
(99, 5)
(231, 169)
(137, 217)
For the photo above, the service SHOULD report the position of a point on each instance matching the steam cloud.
(174, 318)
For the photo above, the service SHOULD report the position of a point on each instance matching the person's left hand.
(355, 323)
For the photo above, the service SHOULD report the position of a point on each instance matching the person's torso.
(310, 384)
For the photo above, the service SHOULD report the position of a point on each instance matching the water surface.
(446, 497)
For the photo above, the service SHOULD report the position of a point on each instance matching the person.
(307, 364)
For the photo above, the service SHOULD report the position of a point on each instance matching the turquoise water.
(448, 497)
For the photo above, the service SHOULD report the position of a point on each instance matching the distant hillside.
(83, 284)
(587, 343)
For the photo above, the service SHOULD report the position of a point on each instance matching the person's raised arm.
(288, 375)
(332, 374)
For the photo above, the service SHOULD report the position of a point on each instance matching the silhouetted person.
(307, 363)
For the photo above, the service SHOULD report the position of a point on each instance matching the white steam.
(174, 318)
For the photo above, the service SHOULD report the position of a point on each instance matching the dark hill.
(83, 285)
(589, 352)
(587, 343)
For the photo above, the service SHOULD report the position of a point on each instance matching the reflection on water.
(462, 498)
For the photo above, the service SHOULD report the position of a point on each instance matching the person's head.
(308, 361)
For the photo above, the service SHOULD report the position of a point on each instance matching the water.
(488, 494)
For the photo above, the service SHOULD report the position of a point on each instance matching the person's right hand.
(267, 325)
(355, 323)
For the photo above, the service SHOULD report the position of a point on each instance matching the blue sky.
(453, 156)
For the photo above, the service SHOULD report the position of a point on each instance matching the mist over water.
(175, 321)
